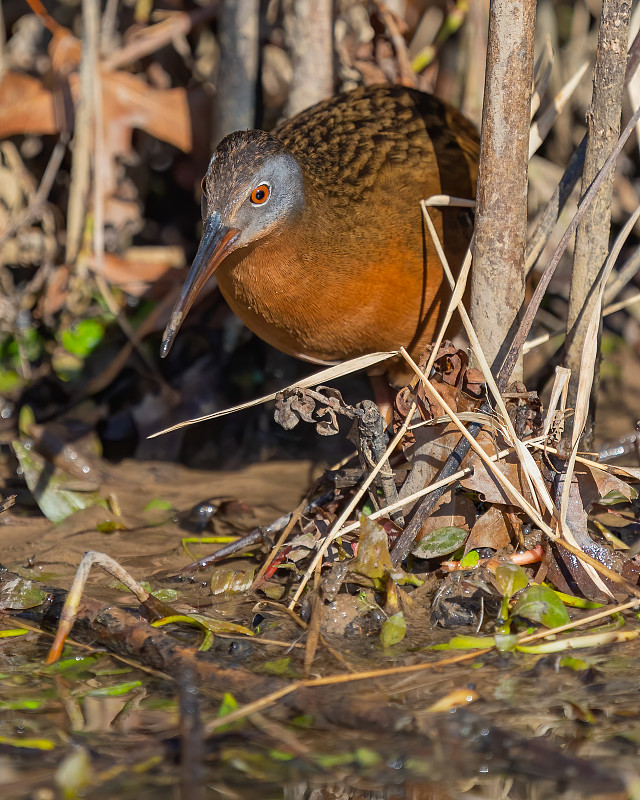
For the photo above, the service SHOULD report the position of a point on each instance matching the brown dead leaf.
(493, 529)
(141, 267)
(55, 294)
(483, 481)
(26, 107)
(595, 483)
(129, 102)
(431, 448)
(29, 105)
(565, 571)
(453, 510)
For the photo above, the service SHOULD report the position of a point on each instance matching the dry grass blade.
(531, 471)
(295, 517)
(610, 309)
(472, 655)
(614, 469)
(332, 680)
(46, 184)
(336, 531)
(559, 389)
(598, 615)
(568, 542)
(581, 642)
(346, 368)
(465, 416)
(268, 700)
(621, 304)
(534, 304)
(508, 487)
(81, 150)
(149, 40)
(622, 277)
(590, 351)
(543, 125)
(585, 380)
(541, 79)
(432, 487)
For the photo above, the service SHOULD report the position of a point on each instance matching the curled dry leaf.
(455, 382)
(595, 484)
(496, 528)
(318, 407)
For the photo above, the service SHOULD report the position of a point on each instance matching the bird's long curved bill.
(217, 240)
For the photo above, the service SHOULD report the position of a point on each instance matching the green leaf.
(505, 641)
(441, 542)
(20, 593)
(220, 625)
(367, 757)
(373, 559)
(10, 381)
(393, 630)
(166, 595)
(229, 704)
(511, 578)
(66, 366)
(47, 486)
(13, 632)
(33, 744)
(575, 602)
(280, 755)
(157, 504)
(110, 526)
(21, 705)
(69, 666)
(466, 643)
(471, 560)
(576, 664)
(614, 497)
(115, 691)
(579, 642)
(231, 581)
(26, 421)
(83, 337)
(541, 604)
(304, 720)
(281, 667)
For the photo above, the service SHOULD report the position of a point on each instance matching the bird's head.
(253, 187)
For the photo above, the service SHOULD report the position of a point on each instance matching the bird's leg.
(371, 441)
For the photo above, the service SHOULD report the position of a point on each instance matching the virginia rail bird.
(315, 231)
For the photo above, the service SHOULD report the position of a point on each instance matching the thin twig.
(35, 206)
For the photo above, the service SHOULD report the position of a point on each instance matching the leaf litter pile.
(310, 622)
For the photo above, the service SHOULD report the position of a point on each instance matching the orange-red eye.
(260, 194)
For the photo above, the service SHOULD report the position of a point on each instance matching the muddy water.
(97, 726)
